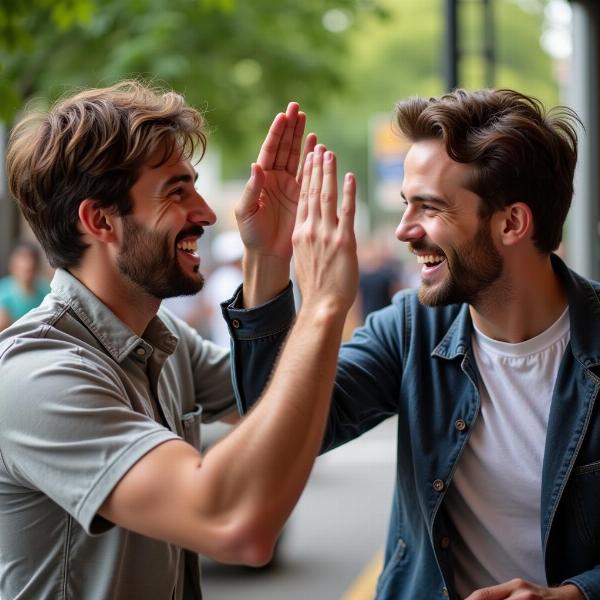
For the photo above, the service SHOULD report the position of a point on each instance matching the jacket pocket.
(191, 423)
(585, 494)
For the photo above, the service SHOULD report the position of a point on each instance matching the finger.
(348, 209)
(285, 144)
(268, 151)
(302, 210)
(309, 146)
(329, 190)
(247, 204)
(316, 182)
(294, 158)
(495, 592)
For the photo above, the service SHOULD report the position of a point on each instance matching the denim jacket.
(417, 362)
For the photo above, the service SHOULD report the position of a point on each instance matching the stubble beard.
(472, 269)
(149, 260)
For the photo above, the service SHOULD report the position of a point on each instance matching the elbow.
(251, 544)
(258, 554)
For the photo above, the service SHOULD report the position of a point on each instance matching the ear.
(97, 222)
(516, 223)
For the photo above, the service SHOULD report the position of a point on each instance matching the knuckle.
(326, 197)
(310, 235)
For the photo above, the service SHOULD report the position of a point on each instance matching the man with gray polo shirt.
(102, 392)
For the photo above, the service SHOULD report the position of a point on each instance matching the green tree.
(242, 61)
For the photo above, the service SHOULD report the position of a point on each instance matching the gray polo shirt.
(82, 398)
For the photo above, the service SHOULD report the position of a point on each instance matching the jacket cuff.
(270, 318)
(588, 583)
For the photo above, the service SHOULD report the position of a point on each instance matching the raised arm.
(267, 211)
(232, 503)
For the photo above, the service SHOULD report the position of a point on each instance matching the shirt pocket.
(191, 423)
(585, 494)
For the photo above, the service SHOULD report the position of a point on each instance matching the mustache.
(194, 231)
(420, 246)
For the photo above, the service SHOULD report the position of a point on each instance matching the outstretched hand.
(325, 245)
(267, 210)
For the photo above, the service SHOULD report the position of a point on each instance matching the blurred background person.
(24, 288)
(380, 276)
(227, 251)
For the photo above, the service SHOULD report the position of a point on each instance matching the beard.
(149, 260)
(472, 269)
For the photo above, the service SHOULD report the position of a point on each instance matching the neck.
(526, 300)
(125, 299)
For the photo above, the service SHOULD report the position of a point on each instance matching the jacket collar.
(584, 316)
(584, 313)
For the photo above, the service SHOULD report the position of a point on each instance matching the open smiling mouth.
(430, 260)
(189, 249)
(189, 246)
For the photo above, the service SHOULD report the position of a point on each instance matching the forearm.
(264, 278)
(262, 467)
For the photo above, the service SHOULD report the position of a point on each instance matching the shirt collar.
(118, 340)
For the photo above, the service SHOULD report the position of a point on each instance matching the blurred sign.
(386, 157)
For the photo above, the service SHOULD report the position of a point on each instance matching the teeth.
(429, 258)
(188, 245)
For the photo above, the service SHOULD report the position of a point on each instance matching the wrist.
(324, 313)
(265, 277)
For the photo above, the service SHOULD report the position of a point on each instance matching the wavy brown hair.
(93, 145)
(519, 151)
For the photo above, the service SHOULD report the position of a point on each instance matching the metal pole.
(489, 44)
(583, 94)
(450, 62)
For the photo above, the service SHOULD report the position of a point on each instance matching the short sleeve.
(67, 427)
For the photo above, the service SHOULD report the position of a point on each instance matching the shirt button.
(438, 485)
(140, 351)
(460, 424)
(236, 324)
(445, 542)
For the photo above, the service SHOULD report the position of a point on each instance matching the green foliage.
(242, 61)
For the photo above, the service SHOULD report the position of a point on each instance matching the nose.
(202, 213)
(409, 228)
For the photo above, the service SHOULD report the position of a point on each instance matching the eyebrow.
(426, 198)
(185, 178)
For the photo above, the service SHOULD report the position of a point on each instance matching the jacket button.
(460, 424)
(445, 542)
(438, 485)
(236, 324)
(445, 592)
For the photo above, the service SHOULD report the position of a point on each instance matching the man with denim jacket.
(492, 366)
(102, 484)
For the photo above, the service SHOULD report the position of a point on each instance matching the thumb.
(247, 204)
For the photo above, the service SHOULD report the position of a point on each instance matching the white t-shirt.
(494, 500)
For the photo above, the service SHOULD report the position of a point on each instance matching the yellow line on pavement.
(363, 587)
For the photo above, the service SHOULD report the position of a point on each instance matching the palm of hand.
(273, 216)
